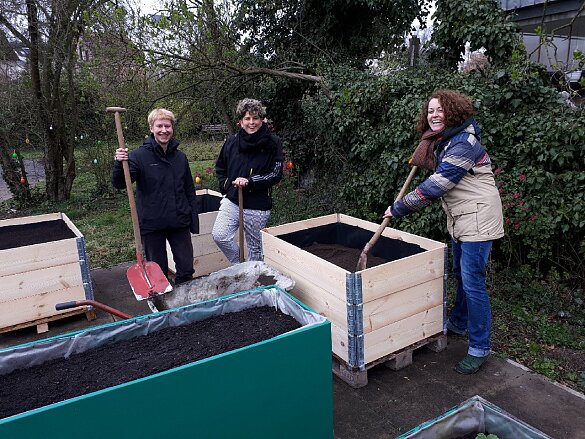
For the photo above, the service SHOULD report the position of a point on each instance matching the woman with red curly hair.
(463, 180)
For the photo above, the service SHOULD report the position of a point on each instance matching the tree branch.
(14, 31)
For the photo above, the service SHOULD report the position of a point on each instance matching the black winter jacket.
(257, 157)
(165, 193)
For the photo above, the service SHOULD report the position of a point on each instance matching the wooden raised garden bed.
(379, 314)
(207, 257)
(262, 387)
(42, 262)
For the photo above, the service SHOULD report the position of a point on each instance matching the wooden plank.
(71, 226)
(301, 225)
(339, 343)
(403, 273)
(316, 298)
(203, 245)
(211, 263)
(46, 320)
(208, 192)
(402, 304)
(425, 243)
(30, 219)
(40, 306)
(206, 222)
(298, 263)
(46, 280)
(38, 256)
(403, 333)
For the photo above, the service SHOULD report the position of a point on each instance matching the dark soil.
(124, 361)
(20, 235)
(344, 257)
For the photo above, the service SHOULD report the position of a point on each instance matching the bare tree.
(51, 32)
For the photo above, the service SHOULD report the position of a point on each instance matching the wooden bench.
(220, 128)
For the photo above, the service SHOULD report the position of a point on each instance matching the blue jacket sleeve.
(459, 157)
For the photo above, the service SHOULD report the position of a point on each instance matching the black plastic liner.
(208, 203)
(352, 237)
(20, 235)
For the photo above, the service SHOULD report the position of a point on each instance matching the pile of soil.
(20, 235)
(344, 257)
(127, 360)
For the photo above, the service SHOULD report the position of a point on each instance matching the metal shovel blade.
(147, 280)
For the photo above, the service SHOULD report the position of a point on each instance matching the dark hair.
(456, 109)
(251, 106)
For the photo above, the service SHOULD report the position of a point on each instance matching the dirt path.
(35, 172)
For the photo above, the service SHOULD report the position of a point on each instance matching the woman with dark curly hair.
(252, 160)
(464, 181)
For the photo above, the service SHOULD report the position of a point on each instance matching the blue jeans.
(471, 311)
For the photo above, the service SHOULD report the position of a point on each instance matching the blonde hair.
(160, 113)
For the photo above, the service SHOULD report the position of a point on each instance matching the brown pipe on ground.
(103, 307)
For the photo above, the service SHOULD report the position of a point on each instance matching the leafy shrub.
(357, 138)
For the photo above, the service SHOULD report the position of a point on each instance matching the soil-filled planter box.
(278, 387)
(42, 262)
(207, 257)
(474, 416)
(373, 312)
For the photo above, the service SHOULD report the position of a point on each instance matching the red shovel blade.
(147, 280)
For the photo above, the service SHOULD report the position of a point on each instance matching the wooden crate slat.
(46, 280)
(38, 256)
(32, 308)
(339, 342)
(71, 226)
(402, 304)
(211, 263)
(403, 333)
(318, 299)
(206, 221)
(30, 219)
(302, 225)
(402, 273)
(389, 232)
(323, 274)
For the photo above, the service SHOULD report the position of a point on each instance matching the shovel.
(241, 228)
(145, 277)
(363, 260)
(103, 307)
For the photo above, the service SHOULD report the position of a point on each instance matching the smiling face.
(251, 122)
(435, 115)
(163, 131)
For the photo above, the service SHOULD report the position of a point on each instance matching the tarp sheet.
(31, 354)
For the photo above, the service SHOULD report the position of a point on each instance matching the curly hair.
(456, 109)
(160, 113)
(251, 106)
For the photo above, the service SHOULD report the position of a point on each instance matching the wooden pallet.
(357, 378)
(43, 324)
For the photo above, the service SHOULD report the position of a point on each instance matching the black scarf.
(255, 141)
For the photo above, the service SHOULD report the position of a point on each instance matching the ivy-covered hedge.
(357, 136)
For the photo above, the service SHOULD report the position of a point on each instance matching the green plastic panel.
(279, 388)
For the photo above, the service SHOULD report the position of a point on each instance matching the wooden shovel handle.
(241, 228)
(361, 265)
(131, 200)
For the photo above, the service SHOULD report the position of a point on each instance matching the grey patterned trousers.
(225, 227)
